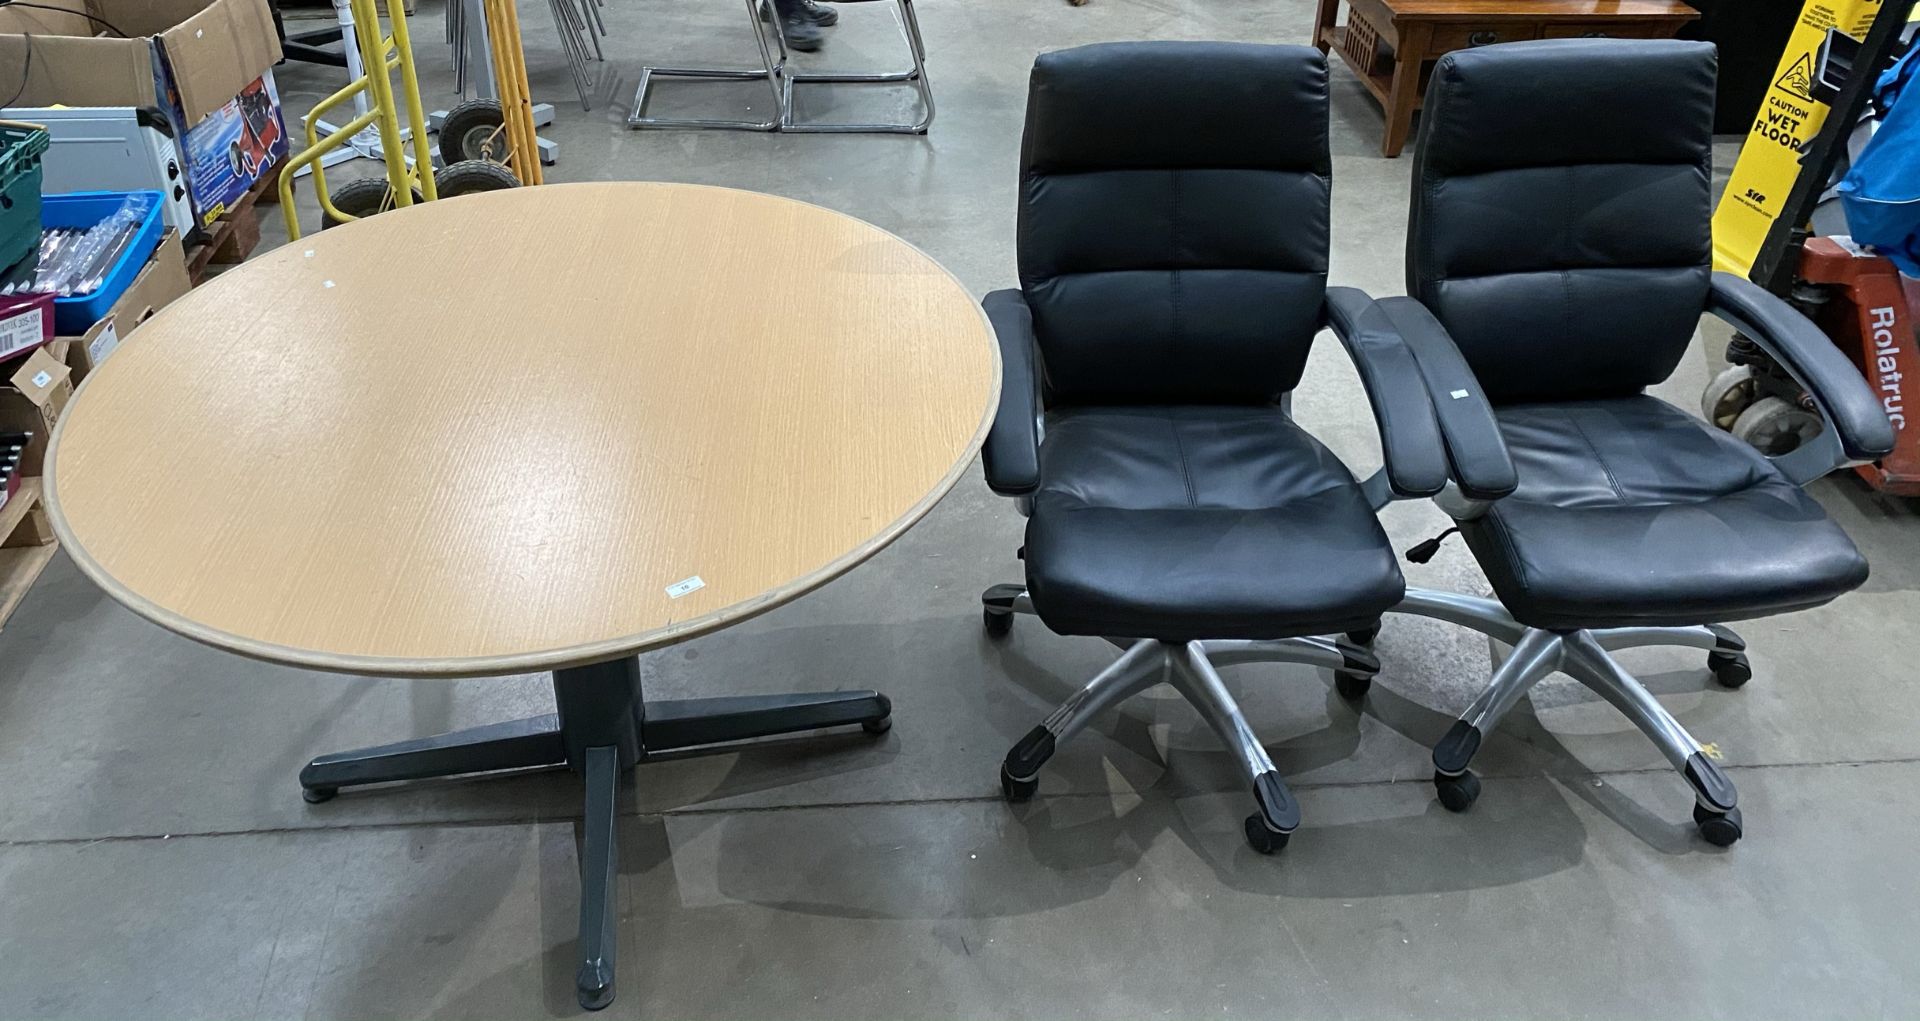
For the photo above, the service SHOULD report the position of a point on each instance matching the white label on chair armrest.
(1459, 394)
(684, 586)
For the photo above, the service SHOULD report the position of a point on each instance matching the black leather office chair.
(1560, 238)
(1173, 259)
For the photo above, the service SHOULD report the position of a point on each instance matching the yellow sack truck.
(1787, 120)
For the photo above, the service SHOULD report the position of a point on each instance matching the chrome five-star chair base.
(1583, 655)
(1189, 667)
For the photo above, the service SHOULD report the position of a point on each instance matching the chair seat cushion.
(1188, 523)
(1631, 512)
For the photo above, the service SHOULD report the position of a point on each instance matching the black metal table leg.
(517, 744)
(602, 728)
(598, 880)
(685, 723)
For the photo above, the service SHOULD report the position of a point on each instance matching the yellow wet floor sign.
(1787, 120)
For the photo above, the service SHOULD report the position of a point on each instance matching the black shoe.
(801, 34)
(819, 14)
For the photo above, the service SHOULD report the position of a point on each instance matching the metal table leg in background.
(603, 727)
(781, 82)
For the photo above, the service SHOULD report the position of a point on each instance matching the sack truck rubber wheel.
(470, 177)
(364, 197)
(472, 131)
(1774, 427)
(1732, 391)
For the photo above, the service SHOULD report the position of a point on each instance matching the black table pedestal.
(604, 727)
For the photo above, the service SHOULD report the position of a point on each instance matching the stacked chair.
(1172, 243)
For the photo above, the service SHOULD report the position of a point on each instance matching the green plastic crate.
(20, 149)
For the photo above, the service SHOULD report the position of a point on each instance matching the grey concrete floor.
(156, 860)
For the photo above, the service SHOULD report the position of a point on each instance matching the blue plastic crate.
(76, 314)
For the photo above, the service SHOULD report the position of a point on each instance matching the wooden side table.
(1392, 44)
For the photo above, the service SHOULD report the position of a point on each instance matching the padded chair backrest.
(1173, 219)
(1561, 211)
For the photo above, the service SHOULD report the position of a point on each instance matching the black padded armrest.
(1409, 435)
(1844, 398)
(1011, 455)
(1476, 451)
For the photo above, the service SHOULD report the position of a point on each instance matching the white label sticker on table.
(42, 378)
(684, 586)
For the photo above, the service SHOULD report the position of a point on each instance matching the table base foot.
(518, 744)
(603, 727)
(686, 723)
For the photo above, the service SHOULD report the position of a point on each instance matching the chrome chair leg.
(1194, 677)
(1706, 636)
(1538, 654)
(1713, 793)
(1137, 669)
(1486, 616)
(1726, 651)
(1324, 652)
(1353, 665)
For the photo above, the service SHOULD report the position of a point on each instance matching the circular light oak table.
(542, 429)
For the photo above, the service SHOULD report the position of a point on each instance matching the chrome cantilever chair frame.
(781, 81)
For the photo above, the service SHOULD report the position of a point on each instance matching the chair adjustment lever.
(1423, 552)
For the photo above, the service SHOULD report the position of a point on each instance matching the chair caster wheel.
(879, 726)
(315, 795)
(1731, 669)
(1365, 636)
(1457, 793)
(1016, 790)
(1262, 839)
(1718, 829)
(1351, 686)
(997, 623)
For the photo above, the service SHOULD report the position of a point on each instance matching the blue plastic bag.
(1881, 194)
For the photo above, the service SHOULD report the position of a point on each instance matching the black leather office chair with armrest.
(1173, 242)
(1560, 239)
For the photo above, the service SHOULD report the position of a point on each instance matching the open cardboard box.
(205, 64)
(31, 400)
(161, 280)
(35, 390)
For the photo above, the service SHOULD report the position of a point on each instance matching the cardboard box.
(163, 279)
(38, 387)
(203, 63)
(230, 148)
(32, 400)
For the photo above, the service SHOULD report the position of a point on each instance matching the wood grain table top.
(523, 430)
